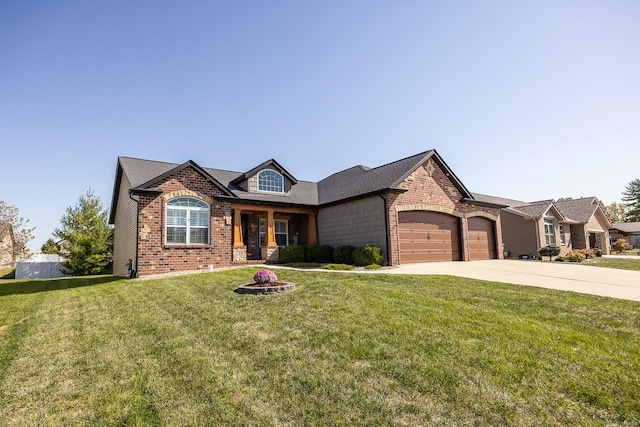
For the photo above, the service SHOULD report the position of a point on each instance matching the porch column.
(237, 228)
(270, 240)
(312, 231)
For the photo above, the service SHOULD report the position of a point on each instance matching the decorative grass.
(620, 263)
(342, 349)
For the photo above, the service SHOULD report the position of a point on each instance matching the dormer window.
(270, 181)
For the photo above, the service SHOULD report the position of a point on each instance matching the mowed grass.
(619, 263)
(342, 349)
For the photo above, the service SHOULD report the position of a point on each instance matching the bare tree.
(12, 224)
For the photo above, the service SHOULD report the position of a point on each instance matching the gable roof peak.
(264, 165)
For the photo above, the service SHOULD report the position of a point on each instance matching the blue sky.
(523, 99)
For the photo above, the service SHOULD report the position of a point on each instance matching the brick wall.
(429, 188)
(154, 256)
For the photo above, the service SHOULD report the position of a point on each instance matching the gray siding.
(124, 232)
(518, 235)
(358, 223)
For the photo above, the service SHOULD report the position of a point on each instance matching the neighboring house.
(171, 217)
(571, 224)
(629, 231)
(7, 243)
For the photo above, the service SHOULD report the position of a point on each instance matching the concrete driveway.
(584, 279)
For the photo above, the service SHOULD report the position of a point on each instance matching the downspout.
(386, 229)
(134, 268)
(536, 223)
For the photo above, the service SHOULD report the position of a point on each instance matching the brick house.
(569, 224)
(171, 217)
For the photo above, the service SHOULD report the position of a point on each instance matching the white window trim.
(286, 233)
(262, 236)
(563, 238)
(267, 191)
(553, 229)
(188, 226)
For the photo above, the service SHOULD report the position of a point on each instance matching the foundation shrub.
(365, 255)
(343, 254)
(291, 253)
(575, 256)
(322, 254)
(550, 251)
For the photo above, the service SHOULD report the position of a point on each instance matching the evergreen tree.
(49, 247)
(86, 237)
(631, 195)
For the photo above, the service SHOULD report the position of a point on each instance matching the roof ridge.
(575, 200)
(424, 153)
(149, 160)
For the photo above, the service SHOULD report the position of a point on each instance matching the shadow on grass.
(9, 273)
(17, 287)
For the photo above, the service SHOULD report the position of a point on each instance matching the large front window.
(187, 222)
(281, 229)
(270, 181)
(549, 232)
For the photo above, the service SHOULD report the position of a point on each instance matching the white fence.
(40, 266)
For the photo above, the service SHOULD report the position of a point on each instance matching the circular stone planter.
(255, 289)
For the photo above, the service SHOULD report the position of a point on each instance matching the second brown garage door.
(428, 236)
(482, 240)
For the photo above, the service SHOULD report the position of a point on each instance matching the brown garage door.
(428, 236)
(482, 240)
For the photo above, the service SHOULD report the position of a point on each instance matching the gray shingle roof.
(354, 182)
(580, 210)
(536, 209)
(498, 200)
(627, 227)
(359, 180)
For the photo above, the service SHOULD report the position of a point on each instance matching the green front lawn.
(342, 349)
(620, 263)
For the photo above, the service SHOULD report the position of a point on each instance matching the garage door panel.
(482, 244)
(428, 236)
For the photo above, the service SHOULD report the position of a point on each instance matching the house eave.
(236, 199)
(482, 203)
(394, 190)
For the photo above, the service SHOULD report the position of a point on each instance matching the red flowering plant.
(265, 277)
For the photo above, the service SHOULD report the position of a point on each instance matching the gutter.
(386, 229)
(133, 269)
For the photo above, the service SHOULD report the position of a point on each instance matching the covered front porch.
(259, 230)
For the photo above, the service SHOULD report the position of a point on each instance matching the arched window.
(271, 181)
(187, 221)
